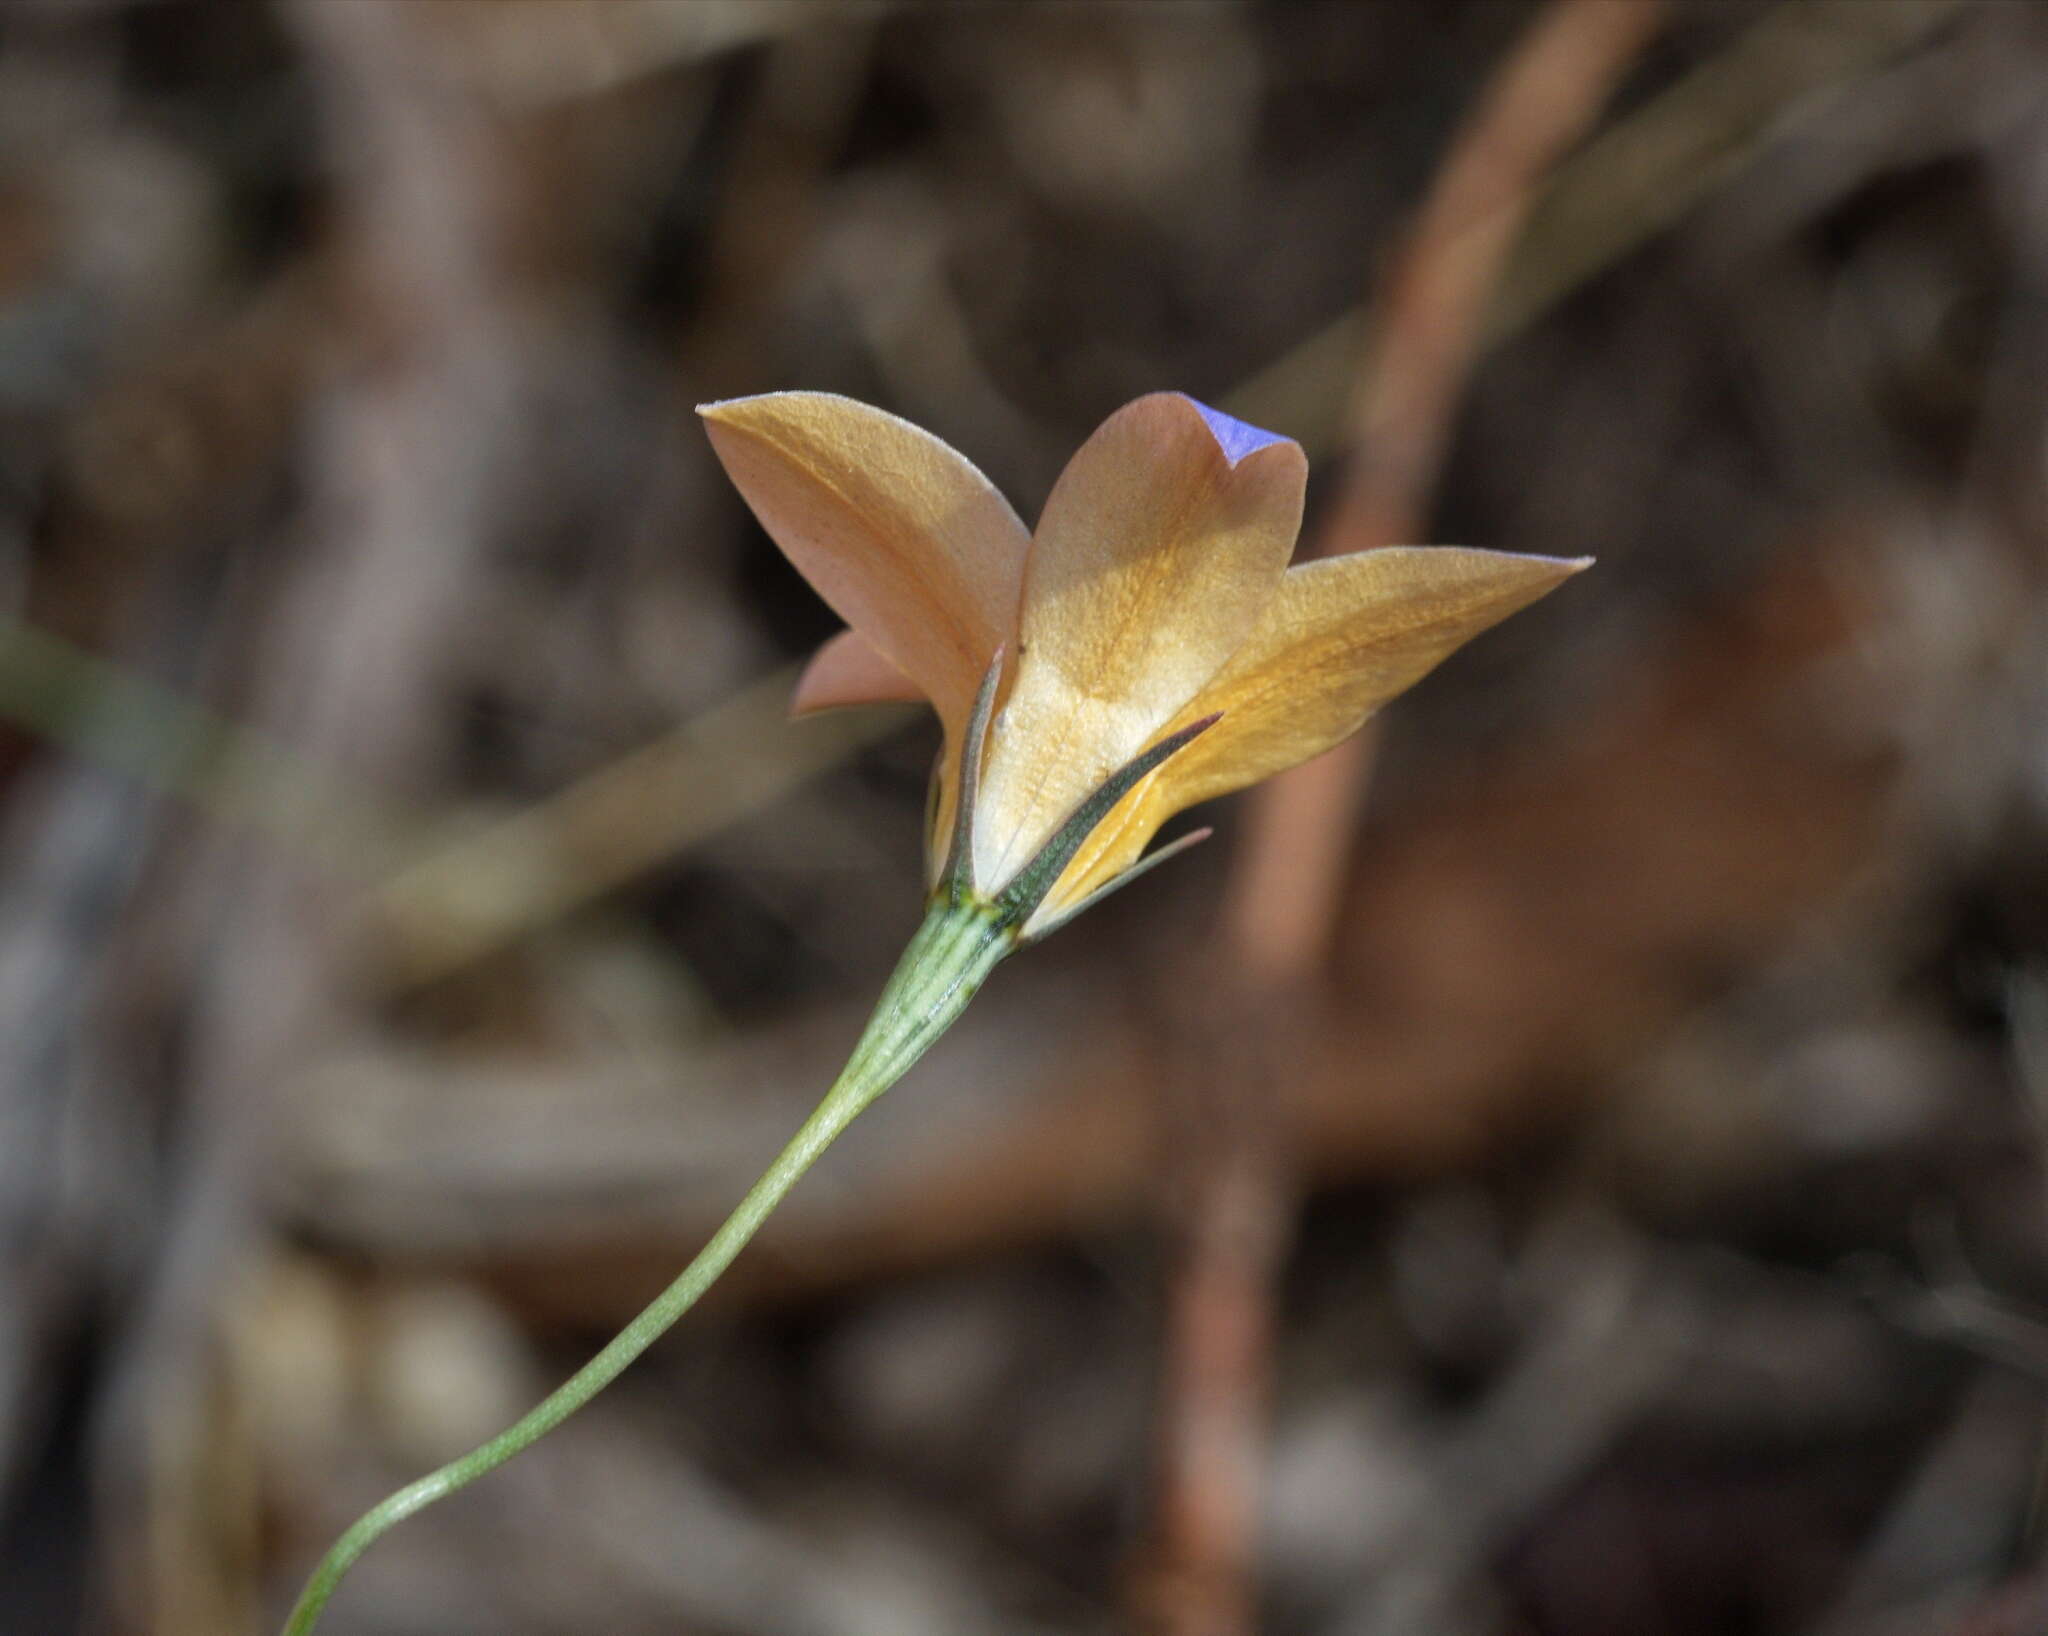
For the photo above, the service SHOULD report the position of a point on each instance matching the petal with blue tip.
(1160, 545)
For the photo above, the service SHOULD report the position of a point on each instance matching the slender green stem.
(947, 961)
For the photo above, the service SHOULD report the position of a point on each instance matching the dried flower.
(1146, 649)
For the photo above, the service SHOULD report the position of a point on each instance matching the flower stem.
(946, 963)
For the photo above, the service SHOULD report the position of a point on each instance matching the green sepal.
(1028, 887)
(956, 880)
(1144, 866)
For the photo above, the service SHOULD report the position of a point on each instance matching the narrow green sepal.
(1027, 889)
(956, 880)
(1144, 866)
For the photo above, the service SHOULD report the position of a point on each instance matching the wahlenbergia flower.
(1146, 649)
(1148, 644)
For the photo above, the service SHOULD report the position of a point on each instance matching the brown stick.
(1232, 1199)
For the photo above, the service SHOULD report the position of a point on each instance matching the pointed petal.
(848, 670)
(910, 544)
(1161, 542)
(1342, 636)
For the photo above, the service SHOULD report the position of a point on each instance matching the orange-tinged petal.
(1160, 544)
(903, 536)
(846, 670)
(1341, 637)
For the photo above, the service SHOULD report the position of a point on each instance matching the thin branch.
(1236, 1204)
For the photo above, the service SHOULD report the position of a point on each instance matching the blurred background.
(1571, 1166)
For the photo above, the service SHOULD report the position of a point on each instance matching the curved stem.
(946, 963)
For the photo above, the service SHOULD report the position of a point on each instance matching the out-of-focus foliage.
(417, 922)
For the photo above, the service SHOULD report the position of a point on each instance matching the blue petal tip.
(1234, 437)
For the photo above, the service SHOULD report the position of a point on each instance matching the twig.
(1235, 1205)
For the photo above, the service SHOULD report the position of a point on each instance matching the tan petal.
(1161, 542)
(848, 670)
(1342, 636)
(906, 540)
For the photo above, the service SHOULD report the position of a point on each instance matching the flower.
(1147, 648)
